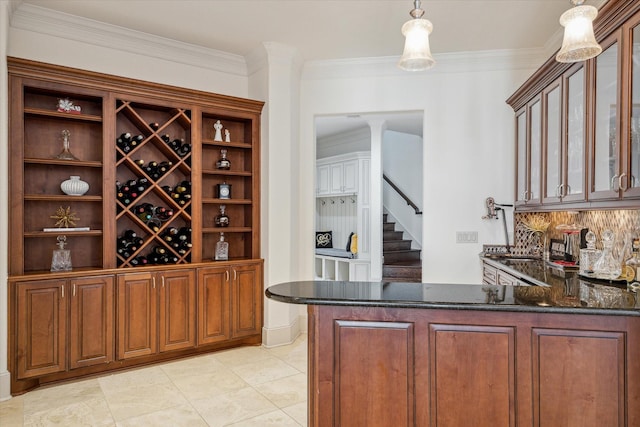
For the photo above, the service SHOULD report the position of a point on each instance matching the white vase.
(74, 186)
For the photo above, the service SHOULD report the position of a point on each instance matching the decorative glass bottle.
(222, 249)
(61, 259)
(589, 255)
(223, 163)
(66, 153)
(607, 267)
(222, 219)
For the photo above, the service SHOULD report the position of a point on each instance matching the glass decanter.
(66, 153)
(223, 163)
(607, 266)
(222, 249)
(222, 219)
(589, 255)
(61, 259)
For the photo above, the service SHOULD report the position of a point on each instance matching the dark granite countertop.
(574, 296)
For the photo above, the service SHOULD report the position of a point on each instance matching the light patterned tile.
(134, 401)
(209, 384)
(242, 356)
(113, 384)
(233, 407)
(275, 418)
(285, 391)
(179, 416)
(62, 395)
(200, 365)
(12, 411)
(91, 412)
(298, 412)
(265, 370)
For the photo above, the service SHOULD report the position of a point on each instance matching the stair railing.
(404, 196)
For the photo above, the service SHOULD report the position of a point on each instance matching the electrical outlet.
(466, 237)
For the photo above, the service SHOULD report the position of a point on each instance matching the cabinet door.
(41, 328)
(535, 152)
(213, 305)
(177, 319)
(631, 121)
(574, 160)
(246, 300)
(552, 143)
(605, 153)
(335, 178)
(91, 321)
(322, 177)
(350, 177)
(522, 168)
(137, 315)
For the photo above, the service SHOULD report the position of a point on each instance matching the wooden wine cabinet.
(104, 107)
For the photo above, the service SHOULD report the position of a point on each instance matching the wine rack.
(153, 146)
(138, 145)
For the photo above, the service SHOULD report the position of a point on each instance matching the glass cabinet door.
(605, 172)
(552, 143)
(535, 152)
(521, 157)
(574, 165)
(633, 150)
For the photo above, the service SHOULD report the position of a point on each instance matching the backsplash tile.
(616, 220)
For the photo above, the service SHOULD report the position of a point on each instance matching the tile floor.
(244, 387)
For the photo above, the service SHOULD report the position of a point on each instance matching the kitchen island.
(416, 354)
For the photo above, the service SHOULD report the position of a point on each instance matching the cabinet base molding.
(19, 387)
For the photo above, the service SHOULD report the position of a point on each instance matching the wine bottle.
(154, 126)
(184, 150)
(139, 162)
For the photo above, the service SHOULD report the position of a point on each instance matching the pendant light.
(417, 54)
(579, 42)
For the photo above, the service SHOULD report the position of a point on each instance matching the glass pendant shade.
(417, 54)
(579, 42)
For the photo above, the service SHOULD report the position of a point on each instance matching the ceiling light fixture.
(579, 42)
(417, 54)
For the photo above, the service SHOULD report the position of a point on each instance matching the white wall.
(468, 144)
(402, 163)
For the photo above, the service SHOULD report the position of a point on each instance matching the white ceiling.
(329, 29)
(332, 29)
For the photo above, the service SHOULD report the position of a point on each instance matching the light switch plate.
(466, 237)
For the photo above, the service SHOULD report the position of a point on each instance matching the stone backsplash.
(619, 221)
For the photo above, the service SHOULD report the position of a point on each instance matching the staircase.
(401, 263)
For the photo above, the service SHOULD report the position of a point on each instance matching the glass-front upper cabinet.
(522, 169)
(529, 154)
(573, 187)
(630, 173)
(605, 174)
(552, 142)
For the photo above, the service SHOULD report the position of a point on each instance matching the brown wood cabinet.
(44, 311)
(585, 118)
(156, 312)
(378, 367)
(149, 154)
(230, 302)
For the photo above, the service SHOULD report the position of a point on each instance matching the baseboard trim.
(274, 337)
(5, 386)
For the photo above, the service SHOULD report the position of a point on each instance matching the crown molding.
(57, 24)
(456, 62)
